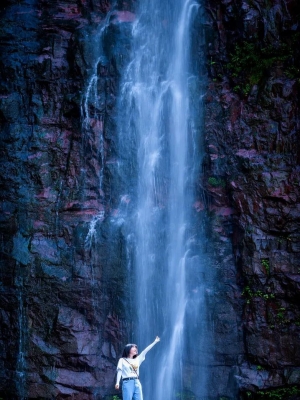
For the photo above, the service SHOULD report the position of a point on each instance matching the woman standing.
(128, 369)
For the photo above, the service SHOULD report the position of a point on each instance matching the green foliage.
(268, 296)
(283, 393)
(281, 314)
(277, 315)
(250, 62)
(248, 293)
(266, 264)
(216, 181)
(277, 394)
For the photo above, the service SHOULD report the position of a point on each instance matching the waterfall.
(159, 158)
(92, 120)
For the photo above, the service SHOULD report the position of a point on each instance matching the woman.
(128, 369)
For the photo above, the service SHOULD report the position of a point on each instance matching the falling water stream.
(158, 164)
(159, 158)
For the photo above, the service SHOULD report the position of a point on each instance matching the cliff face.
(64, 293)
(62, 314)
(252, 141)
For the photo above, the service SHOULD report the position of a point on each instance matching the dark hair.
(127, 349)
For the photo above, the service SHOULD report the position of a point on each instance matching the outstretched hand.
(117, 386)
(157, 339)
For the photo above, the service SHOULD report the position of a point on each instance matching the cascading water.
(92, 114)
(157, 169)
(159, 161)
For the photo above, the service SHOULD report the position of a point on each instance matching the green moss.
(278, 316)
(216, 182)
(283, 393)
(281, 314)
(248, 293)
(266, 264)
(280, 394)
(249, 63)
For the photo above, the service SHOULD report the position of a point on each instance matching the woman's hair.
(127, 349)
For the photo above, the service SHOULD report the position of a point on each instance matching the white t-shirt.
(129, 367)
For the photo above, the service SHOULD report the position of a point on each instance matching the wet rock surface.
(252, 179)
(63, 314)
(64, 297)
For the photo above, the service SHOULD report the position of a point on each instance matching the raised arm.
(145, 351)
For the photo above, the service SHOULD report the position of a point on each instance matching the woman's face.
(133, 351)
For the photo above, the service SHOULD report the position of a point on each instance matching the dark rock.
(256, 135)
(61, 303)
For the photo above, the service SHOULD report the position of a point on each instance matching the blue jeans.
(132, 390)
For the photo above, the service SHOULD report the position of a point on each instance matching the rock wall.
(64, 294)
(252, 178)
(63, 304)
